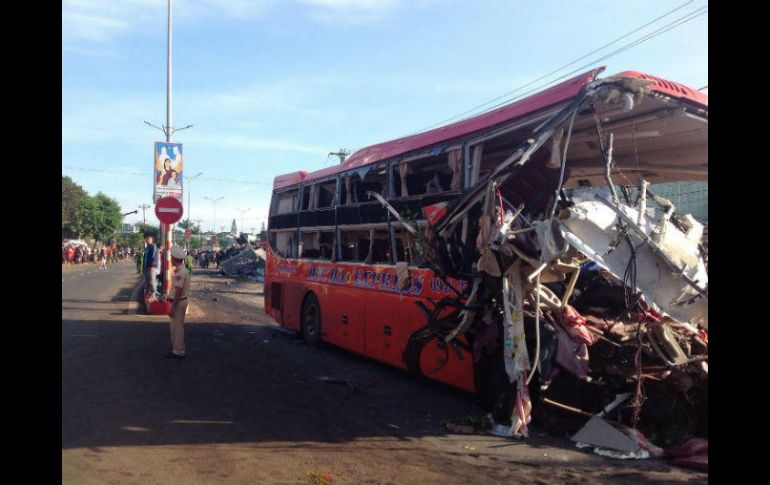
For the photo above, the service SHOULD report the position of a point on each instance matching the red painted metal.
(670, 88)
(168, 210)
(159, 307)
(363, 311)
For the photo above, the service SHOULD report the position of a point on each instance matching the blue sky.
(273, 86)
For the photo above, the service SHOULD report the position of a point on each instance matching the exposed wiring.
(536, 361)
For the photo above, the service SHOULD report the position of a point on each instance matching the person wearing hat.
(179, 306)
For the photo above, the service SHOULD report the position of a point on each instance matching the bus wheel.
(311, 321)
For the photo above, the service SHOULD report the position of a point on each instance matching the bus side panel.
(291, 313)
(390, 319)
(342, 313)
(439, 361)
(272, 301)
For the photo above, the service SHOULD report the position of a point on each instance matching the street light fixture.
(214, 203)
(187, 188)
(242, 211)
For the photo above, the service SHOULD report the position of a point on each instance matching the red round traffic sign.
(168, 210)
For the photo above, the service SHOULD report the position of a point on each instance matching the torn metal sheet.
(245, 262)
(593, 228)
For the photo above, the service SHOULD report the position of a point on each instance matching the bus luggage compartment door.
(343, 315)
(390, 319)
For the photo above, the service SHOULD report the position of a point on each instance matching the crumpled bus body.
(524, 250)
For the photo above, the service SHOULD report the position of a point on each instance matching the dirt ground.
(252, 404)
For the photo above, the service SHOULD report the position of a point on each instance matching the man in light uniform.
(179, 307)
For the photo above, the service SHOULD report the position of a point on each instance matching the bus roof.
(509, 112)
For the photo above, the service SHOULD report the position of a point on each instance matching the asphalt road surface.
(252, 404)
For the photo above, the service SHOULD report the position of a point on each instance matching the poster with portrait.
(167, 170)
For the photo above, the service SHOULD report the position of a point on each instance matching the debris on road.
(243, 262)
(317, 478)
(333, 380)
(460, 429)
(692, 453)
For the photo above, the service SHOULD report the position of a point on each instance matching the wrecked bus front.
(519, 249)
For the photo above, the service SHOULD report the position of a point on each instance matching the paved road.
(248, 405)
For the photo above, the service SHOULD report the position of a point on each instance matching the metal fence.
(687, 197)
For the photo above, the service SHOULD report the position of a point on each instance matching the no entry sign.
(168, 210)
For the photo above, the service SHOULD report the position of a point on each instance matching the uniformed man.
(181, 289)
(188, 263)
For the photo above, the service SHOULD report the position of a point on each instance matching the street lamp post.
(214, 204)
(243, 211)
(187, 181)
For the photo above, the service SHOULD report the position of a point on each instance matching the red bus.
(344, 268)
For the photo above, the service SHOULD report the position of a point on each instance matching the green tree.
(109, 217)
(149, 228)
(72, 196)
(133, 240)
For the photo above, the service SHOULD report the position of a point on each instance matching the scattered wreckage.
(586, 292)
(243, 262)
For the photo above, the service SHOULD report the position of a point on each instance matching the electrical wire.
(662, 30)
(676, 23)
(140, 174)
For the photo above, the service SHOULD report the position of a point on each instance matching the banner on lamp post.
(167, 171)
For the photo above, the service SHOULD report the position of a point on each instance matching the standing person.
(102, 260)
(151, 262)
(179, 306)
(139, 262)
(78, 255)
(188, 262)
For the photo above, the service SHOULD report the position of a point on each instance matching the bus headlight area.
(524, 254)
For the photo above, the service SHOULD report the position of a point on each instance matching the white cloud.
(350, 12)
(94, 22)
(245, 142)
(104, 21)
(349, 4)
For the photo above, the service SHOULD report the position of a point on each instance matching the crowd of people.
(75, 252)
(80, 253)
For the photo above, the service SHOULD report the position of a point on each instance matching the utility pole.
(144, 207)
(200, 236)
(342, 154)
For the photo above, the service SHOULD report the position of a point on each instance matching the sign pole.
(169, 131)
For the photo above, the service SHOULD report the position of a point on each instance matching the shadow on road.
(239, 383)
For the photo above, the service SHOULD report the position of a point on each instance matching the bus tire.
(311, 321)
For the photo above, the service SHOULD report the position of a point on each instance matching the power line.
(140, 174)
(472, 110)
(662, 30)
